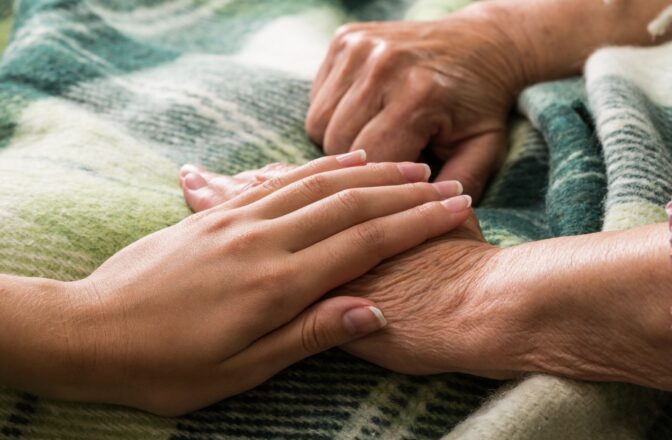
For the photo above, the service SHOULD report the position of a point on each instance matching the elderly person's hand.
(221, 301)
(458, 304)
(443, 316)
(394, 88)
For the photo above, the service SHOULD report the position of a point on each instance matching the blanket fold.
(101, 101)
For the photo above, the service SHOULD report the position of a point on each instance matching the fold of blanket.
(101, 101)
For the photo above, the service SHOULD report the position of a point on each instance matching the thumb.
(327, 324)
(474, 161)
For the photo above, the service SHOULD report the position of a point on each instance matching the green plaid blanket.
(102, 100)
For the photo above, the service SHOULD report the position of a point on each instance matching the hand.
(441, 315)
(394, 88)
(444, 316)
(217, 304)
(203, 189)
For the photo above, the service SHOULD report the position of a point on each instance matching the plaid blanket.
(102, 100)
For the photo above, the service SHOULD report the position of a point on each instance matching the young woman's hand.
(223, 300)
(441, 317)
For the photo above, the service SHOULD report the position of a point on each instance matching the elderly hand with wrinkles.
(457, 303)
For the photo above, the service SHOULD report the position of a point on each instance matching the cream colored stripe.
(170, 23)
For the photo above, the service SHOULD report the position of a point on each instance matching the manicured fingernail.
(450, 188)
(364, 320)
(188, 168)
(415, 172)
(194, 181)
(357, 157)
(457, 204)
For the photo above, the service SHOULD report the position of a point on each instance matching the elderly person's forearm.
(554, 38)
(597, 306)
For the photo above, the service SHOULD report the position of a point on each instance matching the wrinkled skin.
(442, 316)
(395, 88)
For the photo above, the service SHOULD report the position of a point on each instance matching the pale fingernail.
(189, 168)
(194, 181)
(357, 157)
(449, 188)
(415, 172)
(457, 204)
(364, 320)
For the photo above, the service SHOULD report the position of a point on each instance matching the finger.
(336, 85)
(203, 189)
(474, 161)
(201, 193)
(359, 106)
(317, 166)
(394, 136)
(268, 172)
(338, 42)
(320, 186)
(355, 251)
(326, 66)
(327, 324)
(321, 220)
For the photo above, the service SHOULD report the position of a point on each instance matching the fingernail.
(357, 157)
(194, 181)
(364, 320)
(188, 168)
(449, 188)
(415, 172)
(457, 204)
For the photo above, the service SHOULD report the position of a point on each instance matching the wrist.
(595, 306)
(542, 35)
(508, 50)
(41, 314)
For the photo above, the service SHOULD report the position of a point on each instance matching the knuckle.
(345, 30)
(317, 165)
(244, 240)
(422, 85)
(384, 58)
(421, 191)
(370, 234)
(425, 211)
(350, 199)
(382, 168)
(271, 280)
(315, 185)
(272, 184)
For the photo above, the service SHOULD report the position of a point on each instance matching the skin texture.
(396, 88)
(458, 304)
(132, 332)
(447, 86)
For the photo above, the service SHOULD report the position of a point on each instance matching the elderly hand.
(442, 314)
(394, 88)
(220, 302)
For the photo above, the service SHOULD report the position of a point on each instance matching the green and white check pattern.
(101, 101)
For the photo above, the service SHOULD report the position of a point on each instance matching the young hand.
(220, 302)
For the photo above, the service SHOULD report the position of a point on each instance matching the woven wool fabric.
(101, 101)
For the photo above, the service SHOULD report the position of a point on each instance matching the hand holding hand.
(217, 304)
(442, 313)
